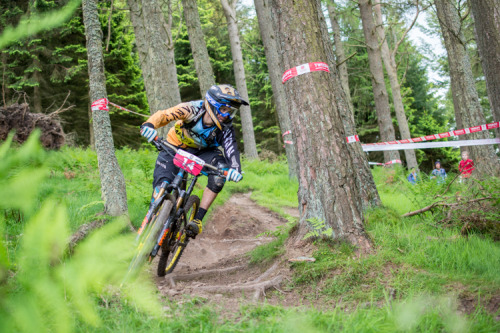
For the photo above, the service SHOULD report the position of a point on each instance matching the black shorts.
(165, 170)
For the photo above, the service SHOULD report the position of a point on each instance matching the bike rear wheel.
(150, 235)
(177, 239)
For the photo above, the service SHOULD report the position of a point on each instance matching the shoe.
(195, 227)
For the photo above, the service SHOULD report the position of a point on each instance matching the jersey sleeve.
(227, 139)
(183, 111)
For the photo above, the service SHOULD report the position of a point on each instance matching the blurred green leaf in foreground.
(44, 287)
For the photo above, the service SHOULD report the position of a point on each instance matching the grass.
(411, 282)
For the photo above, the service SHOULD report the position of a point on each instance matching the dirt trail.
(215, 267)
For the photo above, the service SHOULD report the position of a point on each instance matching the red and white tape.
(463, 131)
(424, 145)
(289, 142)
(387, 163)
(286, 133)
(304, 68)
(352, 138)
(102, 104)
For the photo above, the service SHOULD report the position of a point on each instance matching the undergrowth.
(414, 280)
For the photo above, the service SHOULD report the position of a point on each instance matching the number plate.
(186, 161)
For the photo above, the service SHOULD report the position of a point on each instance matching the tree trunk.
(156, 54)
(397, 99)
(239, 74)
(91, 129)
(327, 186)
(275, 71)
(487, 28)
(339, 52)
(364, 179)
(386, 127)
(468, 110)
(112, 180)
(198, 46)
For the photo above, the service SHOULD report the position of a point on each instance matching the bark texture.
(388, 57)
(154, 42)
(275, 71)
(386, 127)
(249, 144)
(487, 28)
(112, 180)
(339, 52)
(327, 186)
(364, 179)
(198, 46)
(468, 110)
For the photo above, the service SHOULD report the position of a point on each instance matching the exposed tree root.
(83, 231)
(18, 117)
(258, 286)
(266, 274)
(266, 239)
(201, 274)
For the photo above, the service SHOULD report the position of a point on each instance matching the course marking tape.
(102, 104)
(423, 145)
(304, 68)
(458, 132)
(289, 142)
(287, 132)
(387, 163)
(352, 138)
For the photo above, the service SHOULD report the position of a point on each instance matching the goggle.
(217, 105)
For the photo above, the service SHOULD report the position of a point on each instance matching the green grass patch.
(410, 283)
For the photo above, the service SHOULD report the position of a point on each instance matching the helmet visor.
(229, 111)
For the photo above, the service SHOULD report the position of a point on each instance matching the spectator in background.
(438, 173)
(413, 178)
(466, 166)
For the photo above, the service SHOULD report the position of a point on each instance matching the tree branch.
(229, 8)
(441, 203)
(349, 57)
(406, 31)
(109, 25)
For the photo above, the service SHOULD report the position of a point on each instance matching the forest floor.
(216, 267)
(217, 270)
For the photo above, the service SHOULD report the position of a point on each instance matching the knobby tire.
(177, 239)
(150, 234)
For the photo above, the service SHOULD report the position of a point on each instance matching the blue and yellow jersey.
(190, 131)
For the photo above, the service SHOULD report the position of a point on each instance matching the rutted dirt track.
(215, 265)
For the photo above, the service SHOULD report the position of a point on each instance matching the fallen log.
(441, 203)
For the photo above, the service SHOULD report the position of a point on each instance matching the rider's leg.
(214, 186)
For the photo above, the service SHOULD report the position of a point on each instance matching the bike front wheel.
(177, 238)
(150, 235)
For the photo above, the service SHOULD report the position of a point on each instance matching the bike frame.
(175, 189)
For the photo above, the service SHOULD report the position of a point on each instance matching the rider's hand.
(233, 175)
(148, 132)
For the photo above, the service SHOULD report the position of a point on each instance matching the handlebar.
(162, 144)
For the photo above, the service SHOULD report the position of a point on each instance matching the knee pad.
(216, 183)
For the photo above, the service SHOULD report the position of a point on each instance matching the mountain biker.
(200, 128)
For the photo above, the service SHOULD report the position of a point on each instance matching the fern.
(319, 228)
(43, 288)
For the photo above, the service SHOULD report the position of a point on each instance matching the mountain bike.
(164, 226)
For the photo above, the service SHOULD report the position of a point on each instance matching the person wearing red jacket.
(466, 166)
